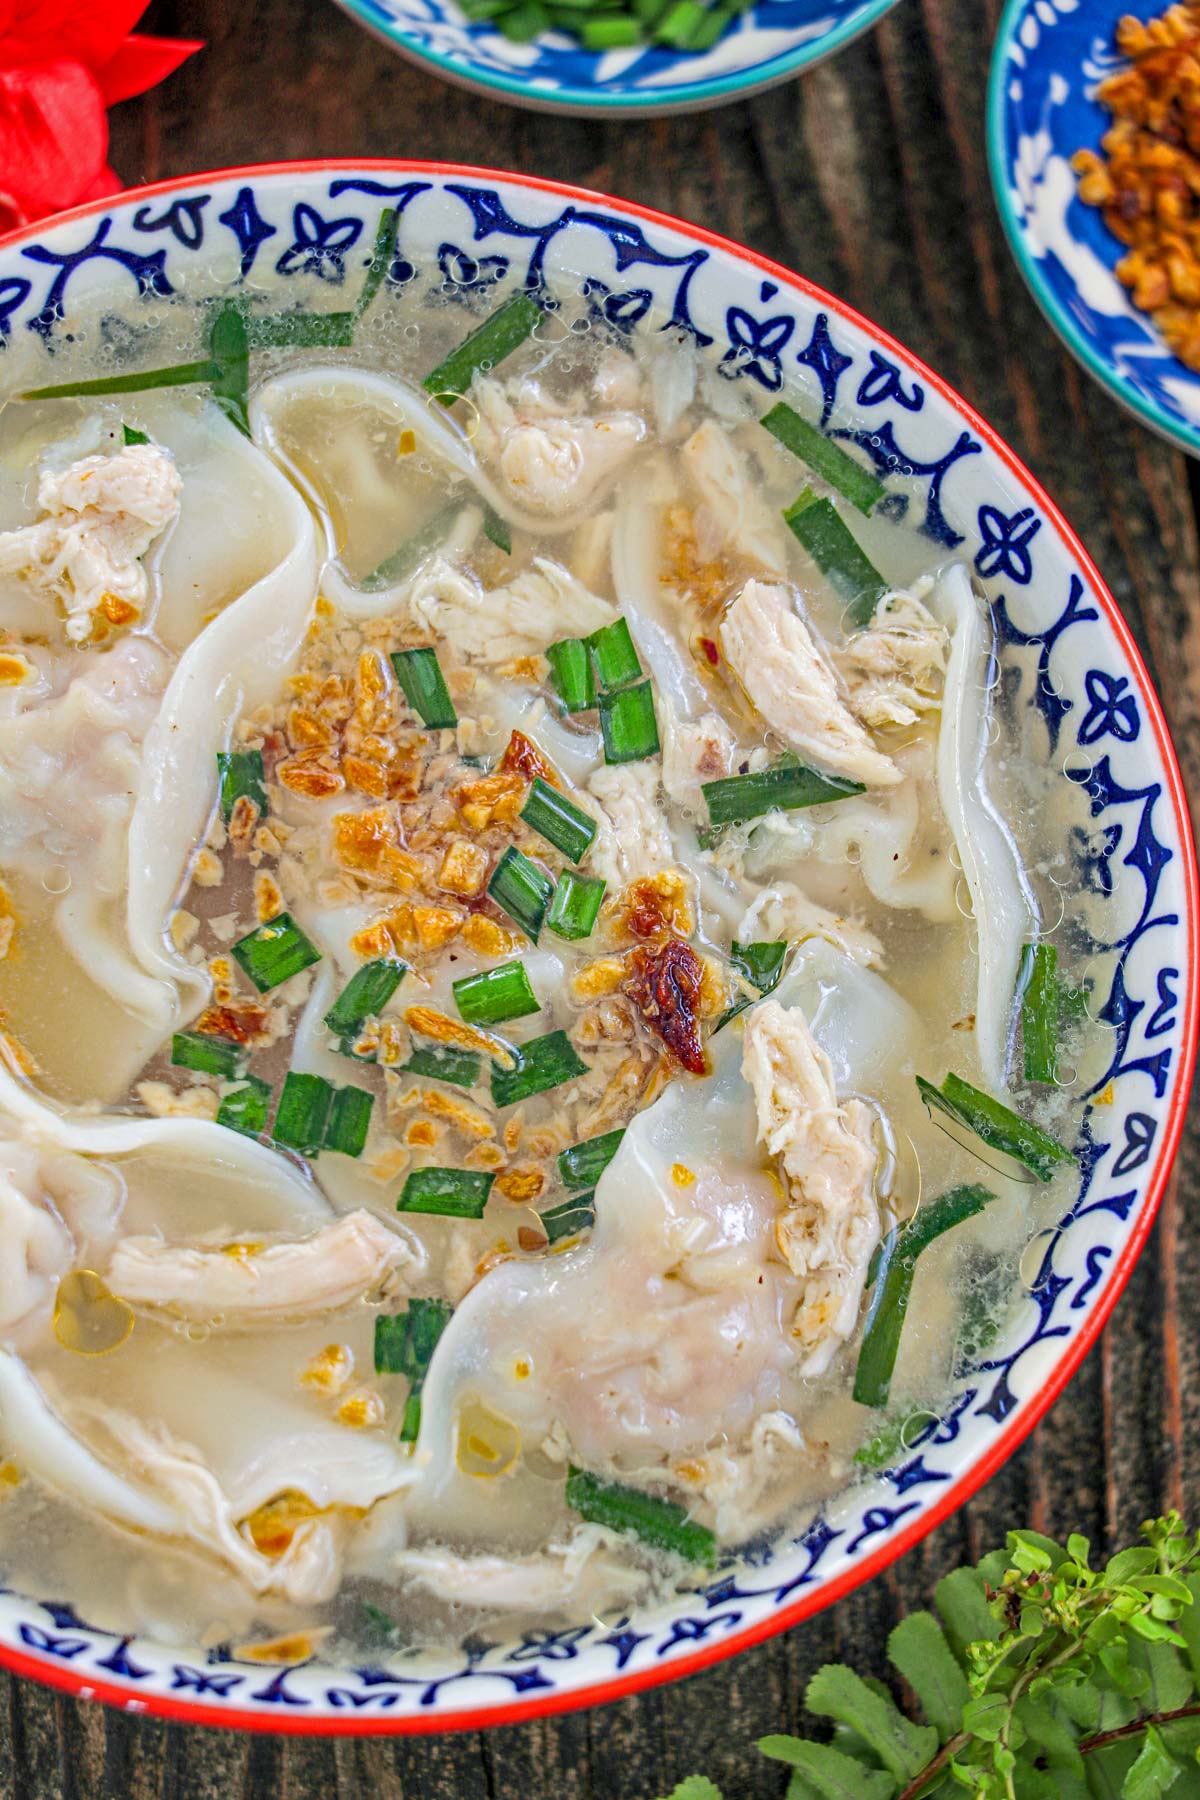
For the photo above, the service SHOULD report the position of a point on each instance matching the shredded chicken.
(253, 1284)
(831, 1224)
(733, 516)
(550, 463)
(895, 669)
(632, 839)
(746, 1488)
(497, 625)
(783, 911)
(693, 751)
(102, 515)
(775, 657)
(586, 1571)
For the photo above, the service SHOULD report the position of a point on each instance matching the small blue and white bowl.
(771, 42)
(1049, 59)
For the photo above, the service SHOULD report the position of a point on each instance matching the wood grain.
(869, 175)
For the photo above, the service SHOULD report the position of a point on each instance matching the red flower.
(62, 62)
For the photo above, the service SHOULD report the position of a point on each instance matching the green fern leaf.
(963, 1604)
(1170, 1677)
(903, 1748)
(919, 1650)
(1189, 1628)
(829, 1774)
(1154, 1773)
(695, 1787)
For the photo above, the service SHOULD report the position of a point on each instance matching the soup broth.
(489, 842)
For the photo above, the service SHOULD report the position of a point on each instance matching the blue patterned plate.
(1050, 56)
(1072, 675)
(774, 40)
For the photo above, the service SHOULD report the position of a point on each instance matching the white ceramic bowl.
(299, 228)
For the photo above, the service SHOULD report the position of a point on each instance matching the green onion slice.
(543, 1062)
(349, 1121)
(495, 995)
(300, 331)
(131, 435)
(787, 786)
(572, 673)
(302, 1116)
(575, 1215)
(365, 995)
(522, 890)
(440, 1062)
(996, 1125)
(628, 724)
(230, 350)
(410, 1424)
(246, 1109)
(581, 1165)
(614, 656)
(449, 1193)
(1048, 1005)
(386, 233)
(209, 1056)
(136, 382)
(419, 674)
(576, 905)
(759, 964)
(496, 338)
(805, 441)
(275, 952)
(497, 530)
(823, 532)
(894, 1268)
(661, 1523)
(405, 1342)
(241, 772)
(558, 820)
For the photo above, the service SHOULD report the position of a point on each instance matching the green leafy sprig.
(1038, 1678)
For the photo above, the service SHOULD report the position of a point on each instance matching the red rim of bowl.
(1026, 1417)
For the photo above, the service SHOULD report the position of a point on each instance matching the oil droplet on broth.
(88, 1317)
(486, 1444)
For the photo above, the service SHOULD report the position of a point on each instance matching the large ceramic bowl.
(1050, 57)
(771, 41)
(1069, 656)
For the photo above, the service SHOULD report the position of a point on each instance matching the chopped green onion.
(576, 905)
(449, 1193)
(850, 478)
(136, 382)
(302, 1116)
(1047, 1005)
(628, 724)
(614, 656)
(568, 1220)
(825, 535)
(246, 1109)
(349, 1121)
(706, 33)
(495, 995)
(230, 350)
(676, 28)
(543, 1062)
(505, 331)
(439, 1062)
(759, 964)
(581, 1165)
(661, 1523)
(365, 995)
(893, 1277)
(209, 1056)
(419, 674)
(524, 22)
(787, 785)
(497, 530)
(423, 542)
(404, 1345)
(426, 1321)
(410, 1423)
(300, 331)
(522, 890)
(558, 820)
(241, 773)
(131, 435)
(571, 671)
(996, 1125)
(386, 233)
(614, 33)
(275, 952)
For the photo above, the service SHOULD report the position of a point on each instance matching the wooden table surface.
(869, 175)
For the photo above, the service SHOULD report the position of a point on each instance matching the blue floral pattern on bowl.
(1069, 666)
(1049, 59)
(773, 40)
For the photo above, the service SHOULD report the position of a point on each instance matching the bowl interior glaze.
(302, 230)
